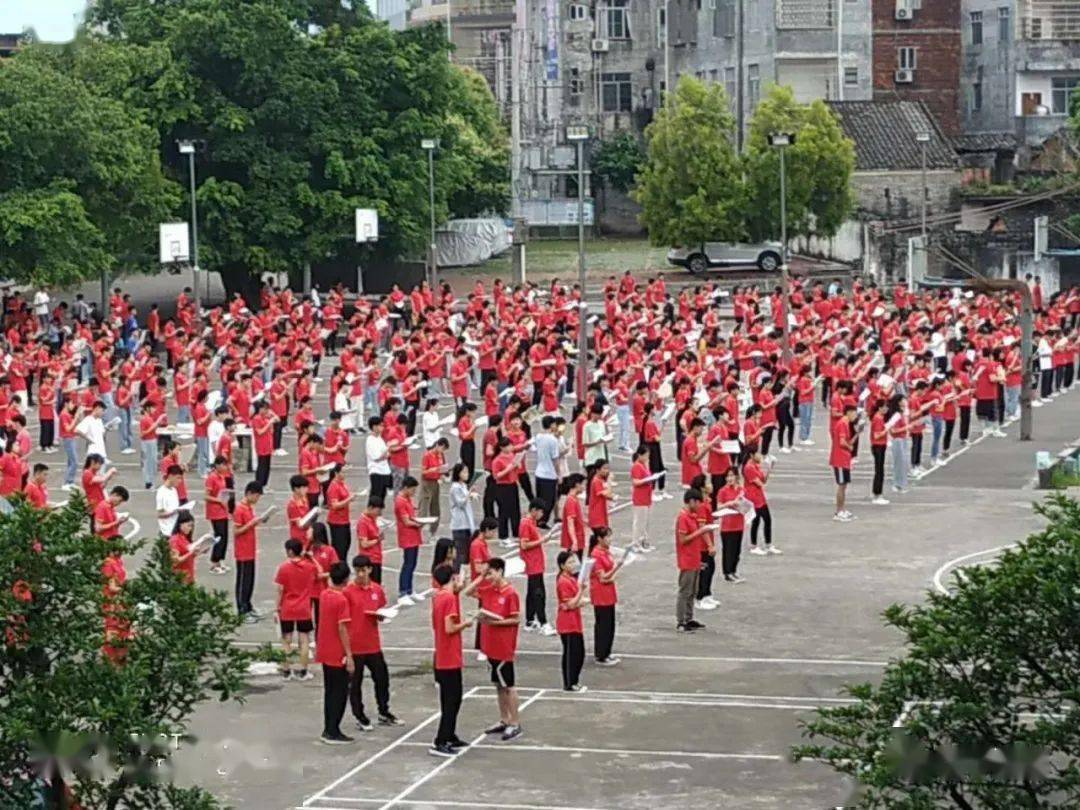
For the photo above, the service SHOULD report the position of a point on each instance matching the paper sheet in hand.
(583, 572)
(515, 566)
(186, 506)
(202, 541)
(725, 513)
(386, 613)
(268, 512)
(650, 478)
(486, 616)
(427, 521)
(310, 516)
(729, 446)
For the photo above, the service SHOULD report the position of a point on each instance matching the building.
(1021, 64)
(393, 12)
(9, 43)
(917, 55)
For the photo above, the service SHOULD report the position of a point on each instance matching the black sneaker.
(457, 742)
(498, 728)
(512, 733)
(335, 739)
(442, 750)
(389, 719)
(695, 625)
(683, 628)
(363, 723)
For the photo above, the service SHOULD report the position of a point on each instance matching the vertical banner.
(551, 38)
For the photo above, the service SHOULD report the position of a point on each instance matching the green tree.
(81, 191)
(74, 725)
(479, 150)
(618, 160)
(983, 710)
(819, 167)
(690, 188)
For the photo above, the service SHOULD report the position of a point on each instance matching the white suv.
(766, 256)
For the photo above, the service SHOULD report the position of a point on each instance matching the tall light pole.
(923, 138)
(188, 148)
(781, 141)
(428, 145)
(667, 49)
(578, 135)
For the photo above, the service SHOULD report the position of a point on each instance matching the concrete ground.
(705, 720)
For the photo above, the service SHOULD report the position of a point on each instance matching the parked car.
(766, 255)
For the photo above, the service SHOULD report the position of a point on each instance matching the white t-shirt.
(214, 431)
(378, 459)
(430, 424)
(167, 499)
(41, 303)
(93, 429)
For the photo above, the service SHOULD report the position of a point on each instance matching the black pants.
(766, 440)
(468, 457)
(946, 440)
(916, 449)
(278, 428)
(603, 631)
(878, 451)
(341, 539)
(376, 665)
(526, 487)
(489, 496)
(245, 585)
(705, 576)
(462, 540)
(380, 485)
(762, 516)
(450, 691)
(221, 545)
(1046, 382)
(506, 495)
(656, 464)
(547, 491)
(786, 423)
(965, 422)
(730, 551)
(262, 470)
(573, 658)
(335, 696)
(48, 433)
(536, 599)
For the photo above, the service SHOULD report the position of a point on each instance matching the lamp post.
(923, 138)
(428, 145)
(188, 148)
(667, 49)
(578, 135)
(781, 141)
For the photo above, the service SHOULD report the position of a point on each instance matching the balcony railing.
(1050, 20)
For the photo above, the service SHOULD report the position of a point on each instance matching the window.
(618, 26)
(976, 90)
(851, 77)
(616, 92)
(976, 28)
(906, 58)
(1004, 24)
(1061, 91)
(576, 85)
(753, 85)
(578, 12)
(729, 86)
(661, 27)
(714, 75)
(724, 19)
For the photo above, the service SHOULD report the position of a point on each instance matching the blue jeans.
(1012, 401)
(900, 455)
(623, 413)
(806, 418)
(202, 447)
(149, 461)
(110, 406)
(125, 428)
(72, 457)
(935, 441)
(408, 568)
(183, 414)
(371, 400)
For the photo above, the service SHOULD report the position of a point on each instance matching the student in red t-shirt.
(501, 614)
(641, 499)
(333, 649)
(729, 498)
(843, 436)
(447, 623)
(531, 544)
(369, 535)
(37, 494)
(295, 580)
(245, 545)
(366, 598)
(688, 545)
(105, 522)
(573, 517)
(180, 550)
(754, 477)
(600, 495)
(570, 597)
(338, 499)
(604, 596)
(409, 539)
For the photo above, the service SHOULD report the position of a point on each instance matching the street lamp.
(188, 147)
(429, 145)
(922, 138)
(667, 46)
(781, 141)
(578, 135)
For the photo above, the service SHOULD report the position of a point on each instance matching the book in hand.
(206, 539)
(729, 446)
(726, 512)
(266, 515)
(583, 572)
(384, 613)
(427, 521)
(306, 519)
(515, 566)
(648, 479)
(186, 506)
(484, 616)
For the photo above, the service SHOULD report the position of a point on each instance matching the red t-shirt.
(603, 594)
(333, 612)
(534, 557)
(264, 442)
(447, 647)
(215, 483)
(104, 514)
(297, 576)
(598, 503)
(840, 456)
(364, 628)
(180, 545)
(641, 494)
(567, 621)
(730, 523)
(754, 480)
(478, 553)
(573, 515)
(407, 536)
(338, 491)
(294, 510)
(245, 542)
(36, 495)
(11, 470)
(500, 643)
(691, 468)
(687, 555)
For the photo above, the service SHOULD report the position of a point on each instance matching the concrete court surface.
(687, 721)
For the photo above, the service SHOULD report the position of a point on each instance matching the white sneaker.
(713, 604)
(785, 450)
(68, 487)
(657, 497)
(418, 597)
(281, 451)
(481, 657)
(939, 462)
(127, 451)
(999, 434)
(668, 496)
(758, 551)
(705, 604)
(807, 442)
(547, 630)
(840, 517)
(774, 550)
(1036, 403)
(879, 501)
(796, 449)
(405, 601)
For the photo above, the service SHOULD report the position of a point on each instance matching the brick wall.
(935, 31)
(897, 195)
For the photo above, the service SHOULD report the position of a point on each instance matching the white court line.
(718, 704)
(638, 752)
(450, 803)
(136, 527)
(376, 756)
(447, 762)
(939, 575)
(721, 696)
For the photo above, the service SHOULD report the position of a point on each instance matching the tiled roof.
(884, 135)
(985, 142)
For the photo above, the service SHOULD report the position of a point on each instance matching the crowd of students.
(481, 394)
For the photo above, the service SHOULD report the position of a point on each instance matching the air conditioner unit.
(601, 46)
(904, 13)
(905, 76)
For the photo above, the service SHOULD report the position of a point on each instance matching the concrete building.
(394, 12)
(917, 55)
(1021, 63)
(9, 43)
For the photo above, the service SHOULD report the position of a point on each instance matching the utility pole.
(923, 138)
(578, 135)
(428, 145)
(188, 148)
(781, 141)
(667, 51)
